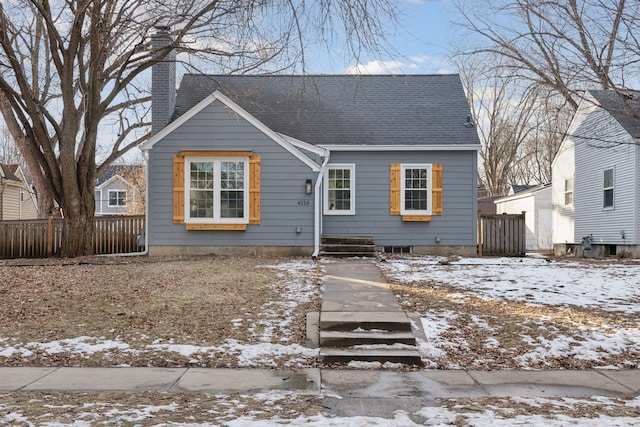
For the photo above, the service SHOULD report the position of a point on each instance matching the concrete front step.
(347, 254)
(347, 246)
(348, 321)
(347, 240)
(409, 356)
(364, 337)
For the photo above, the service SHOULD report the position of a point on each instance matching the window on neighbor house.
(608, 189)
(415, 191)
(117, 198)
(339, 190)
(217, 190)
(21, 195)
(568, 191)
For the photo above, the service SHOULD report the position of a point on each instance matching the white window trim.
(216, 199)
(403, 168)
(612, 188)
(352, 168)
(567, 192)
(117, 205)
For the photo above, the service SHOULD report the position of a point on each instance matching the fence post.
(50, 235)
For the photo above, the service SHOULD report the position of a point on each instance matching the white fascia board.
(304, 145)
(422, 147)
(112, 179)
(218, 96)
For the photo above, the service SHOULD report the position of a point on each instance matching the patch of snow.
(610, 287)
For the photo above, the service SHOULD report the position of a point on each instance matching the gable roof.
(345, 109)
(624, 107)
(8, 172)
(117, 170)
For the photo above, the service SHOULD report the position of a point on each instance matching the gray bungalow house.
(271, 163)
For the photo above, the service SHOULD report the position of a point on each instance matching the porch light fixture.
(308, 187)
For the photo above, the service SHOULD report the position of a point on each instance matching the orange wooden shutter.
(178, 189)
(254, 190)
(394, 186)
(436, 188)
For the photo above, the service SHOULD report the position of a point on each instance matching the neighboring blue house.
(120, 190)
(271, 163)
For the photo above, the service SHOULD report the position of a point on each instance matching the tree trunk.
(78, 227)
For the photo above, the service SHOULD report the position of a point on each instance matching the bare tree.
(9, 153)
(69, 67)
(564, 46)
(503, 112)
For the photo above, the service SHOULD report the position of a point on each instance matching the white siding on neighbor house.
(537, 207)
(563, 215)
(517, 204)
(606, 225)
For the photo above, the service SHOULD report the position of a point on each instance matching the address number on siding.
(304, 203)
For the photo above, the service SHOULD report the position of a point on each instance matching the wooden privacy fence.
(503, 234)
(41, 238)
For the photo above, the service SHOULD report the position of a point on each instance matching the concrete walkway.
(343, 389)
(355, 384)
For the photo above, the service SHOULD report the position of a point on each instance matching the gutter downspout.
(317, 225)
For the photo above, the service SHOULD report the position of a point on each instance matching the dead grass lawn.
(201, 301)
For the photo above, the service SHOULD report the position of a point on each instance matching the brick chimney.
(163, 79)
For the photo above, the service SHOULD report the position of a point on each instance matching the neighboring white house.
(535, 201)
(118, 191)
(596, 178)
(17, 198)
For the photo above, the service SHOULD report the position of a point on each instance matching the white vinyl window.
(608, 182)
(415, 190)
(568, 191)
(339, 189)
(117, 198)
(217, 190)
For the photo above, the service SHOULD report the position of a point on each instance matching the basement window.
(398, 249)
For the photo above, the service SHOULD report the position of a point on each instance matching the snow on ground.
(593, 412)
(611, 287)
(608, 286)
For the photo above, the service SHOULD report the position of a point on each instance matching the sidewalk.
(327, 382)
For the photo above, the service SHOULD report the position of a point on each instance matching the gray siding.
(284, 204)
(456, 226)
(592, 157)
(102, 198)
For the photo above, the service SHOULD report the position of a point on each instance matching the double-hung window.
(415, 190)
(117, 198)
(217, 190)
(568, 191)
(339, 190)
(608, 189)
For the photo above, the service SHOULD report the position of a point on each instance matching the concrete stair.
(367, 336)
(347, 246)
(360, 318)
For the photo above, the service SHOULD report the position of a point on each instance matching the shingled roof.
(624, 107)
(9, 172)
(345, 109)
(124, 171)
